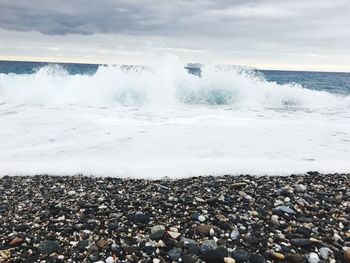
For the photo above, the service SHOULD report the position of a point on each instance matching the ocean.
(169, 120)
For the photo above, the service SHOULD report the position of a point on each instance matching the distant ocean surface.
(170, 119)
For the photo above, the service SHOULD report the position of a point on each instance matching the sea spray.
(166, 84)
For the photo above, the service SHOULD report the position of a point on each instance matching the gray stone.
(325, 252)
(285, 209)
(48, 247)
(175, 253)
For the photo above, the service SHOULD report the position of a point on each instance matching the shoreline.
(297, 218)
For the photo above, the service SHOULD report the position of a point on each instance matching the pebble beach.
(297, 218)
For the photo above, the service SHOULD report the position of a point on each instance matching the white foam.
(165, 84)
(162, 122)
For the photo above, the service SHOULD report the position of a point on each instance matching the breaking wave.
(167, 84)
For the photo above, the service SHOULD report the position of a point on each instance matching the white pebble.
(324, 252)
(274, 219)
(201, 218)
(211, 232)
(109, 260)
(313, 258)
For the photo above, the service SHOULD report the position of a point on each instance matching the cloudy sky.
(272, 34)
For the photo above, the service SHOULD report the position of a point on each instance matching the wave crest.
(167, 85)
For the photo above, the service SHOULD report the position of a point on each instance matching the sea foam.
(159, 120)
(166, 84)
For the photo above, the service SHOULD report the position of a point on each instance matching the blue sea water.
(333, 82)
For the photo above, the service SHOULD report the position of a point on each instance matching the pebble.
(48, 247)
(71, 192)
(300, 242)
(173, 235)
(208, 245)
(16, 241)
(175, 253)
(229, 260)
(204, 229)
(241, 255)
(140, 217)
(234, 234)
(325, 252)
(284, 209)
(255, 258)
(300, 188)
(136, 220)
(201, 218)
(347, 255)
(313, 258)
(157, 232)
(279, 256)
(295, 258)
(274, 219)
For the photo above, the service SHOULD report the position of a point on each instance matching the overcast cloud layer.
(303, 34)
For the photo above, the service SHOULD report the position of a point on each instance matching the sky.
(267, 34)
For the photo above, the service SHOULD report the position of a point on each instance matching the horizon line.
(125, 64)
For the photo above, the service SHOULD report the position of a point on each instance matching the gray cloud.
(181, 17)
(246, 29)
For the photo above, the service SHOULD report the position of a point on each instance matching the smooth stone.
(157, 232)
(234, 234)
(274, 219)
(175, 253)
(201, 218)
(83, 244)
(279, 256)
(204, 229)
(229, 260)
(48, 247)
(336, 237)
(347, 255)
(195, 215)
(324, 252)
(157, 228)
(313, 258)
(102, 243)
(109, 260)
(300, 188)
(256, 258)
(140, 217)
(16, 241)
(284, 209)
(295, 258)
(241, 255)
(300, 242)
(238, 185)
(95, 256)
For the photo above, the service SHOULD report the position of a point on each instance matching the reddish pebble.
(16, 242)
